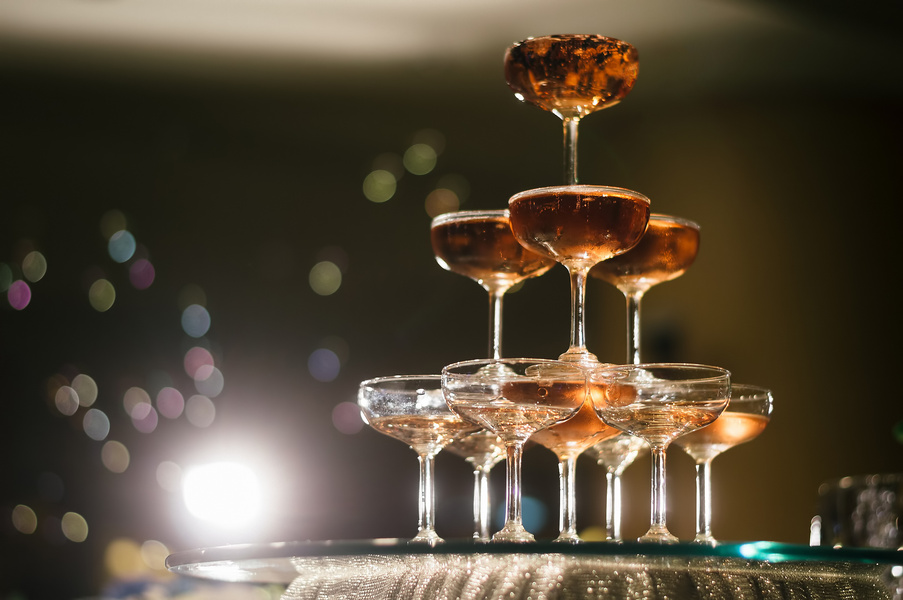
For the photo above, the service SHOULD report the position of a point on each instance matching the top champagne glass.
(579, 226)
(665, 252)
(479, 244)
(571, 76)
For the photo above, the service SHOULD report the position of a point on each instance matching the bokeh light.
(195, 320)
(34, 266)
(224, 493)
(346, 418)
(66, 400)
(433, 138)
(96, 424)
(121, 246)
(379, 186)
(102, 295)
(323, 365)
(24, 519)
(154, 554)
(18, 294)
(169, 476)
(137, 402)
(115, 456)
(209, 381)
(325, 278)
(534, 513)
(74, 527)
(123, 560)
(142, 274)
(456, 183)
(170, 403)
(200, 411)
(86, 389)
(441, 201)
(420, 159)
(195, 358)
(146, 421)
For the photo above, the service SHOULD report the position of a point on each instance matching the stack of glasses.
(486, 409)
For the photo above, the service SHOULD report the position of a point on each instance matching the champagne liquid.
(729, 430)
(521, 407)
(484, 249)
(571, 75)
(572, 437)
(661, 422)
(579, 224)
(665, 252)
(418, 431)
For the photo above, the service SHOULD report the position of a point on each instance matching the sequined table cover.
(392, 569)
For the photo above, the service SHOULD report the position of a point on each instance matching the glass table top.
(281, 562)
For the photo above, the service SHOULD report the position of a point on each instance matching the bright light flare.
(223, 493)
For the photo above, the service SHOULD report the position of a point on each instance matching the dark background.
(237, 174)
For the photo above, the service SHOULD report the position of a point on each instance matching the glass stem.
(658, 529)
(704, 502)
(570, 149)
(567, 512)
(513, 492)
(495, 323)
(613, 506)
(427, 502)
(578, 322)
(481, 504)
(633, 327)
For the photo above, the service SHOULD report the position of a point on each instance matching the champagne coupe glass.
(743, 420)
(571, 76)
(478, 244)
(568, 440)
(514, 398)
(659, 402)
(411, 408)
(483, 450)
(579, 226)
(665, 252)
(615, 454)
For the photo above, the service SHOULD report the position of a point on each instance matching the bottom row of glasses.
(475, 404)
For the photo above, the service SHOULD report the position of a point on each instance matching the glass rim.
(389, 378)
(464, 215)
(752, 392)
(594, 36)
(578, 186)
(517, 360)
(722, 372)
(673, 219)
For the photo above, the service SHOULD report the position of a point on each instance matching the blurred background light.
(74, 527)
(34, 266)
(325, 278)
(18, 294)
(86, 389)
(66, 400)
(440, 201)
(379, 186)
(169, 476)
(420, 159)
(209, 381)
(102, 295)
(170, 403)
(224, 493)
(111, 222)
(115, 456)
(196, 358)
(96, 424)
(121, 246)
(323, 365)
(142, 274)
(6, 277)
(195, 320)
(200, 411)
(346, 418)
(24, 519)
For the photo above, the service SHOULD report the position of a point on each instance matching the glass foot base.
(513, 532)
(658, 536)
(428, 537)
